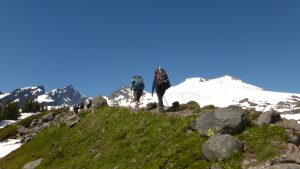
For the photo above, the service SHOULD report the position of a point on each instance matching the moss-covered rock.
(99, 101)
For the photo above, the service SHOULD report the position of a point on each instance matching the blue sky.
(97, 46)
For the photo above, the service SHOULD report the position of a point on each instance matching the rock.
(98, 102)
(33, 164)
(151, 106)
(46, 125)
(36, 129)
(22, 130)
(294, 138)
(27, 138)
(284, 166)
(48, 117)
(223, 120)
(264, 118)
(34, 123)
(289, 124)
(221, 146)
(174, 107)
(72, 120)
(293, 153)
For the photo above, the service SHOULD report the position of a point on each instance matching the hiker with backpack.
(161, 83)
(138, 88)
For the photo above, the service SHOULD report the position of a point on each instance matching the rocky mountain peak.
(57, 97)
(22, 94)
(65, 96)
(122, 95)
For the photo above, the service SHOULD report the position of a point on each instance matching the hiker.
(81, 106)
(138, 88)
(161, 83)
(76, 108)
(89, 103)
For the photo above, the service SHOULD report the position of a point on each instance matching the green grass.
(116, 138)
(113, 137)
(260, 141)
(8, 131)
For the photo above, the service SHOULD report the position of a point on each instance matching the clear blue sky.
(97, 46)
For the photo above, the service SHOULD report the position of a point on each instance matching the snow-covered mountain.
(124, 97)
(20, 95)
(66, 96)
(221, 92)
(57, 97)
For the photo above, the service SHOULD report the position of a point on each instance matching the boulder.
(221, 146)
(293, 153)
(22, 130)
(98, 102)
(268, 118)
(294, 138)
(224, 120)
(174, 107)
(34, 123)
(151, 106)
(289, 124)
(72, 120)
(48, 117)
(264, 118)
(33, 164)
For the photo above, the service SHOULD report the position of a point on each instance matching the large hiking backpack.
(162, 79)
(138, 83)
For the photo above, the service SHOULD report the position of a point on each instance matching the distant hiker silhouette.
(161, 83)
(76, 108)
(89, 103)
(138, 88)
(81, 106)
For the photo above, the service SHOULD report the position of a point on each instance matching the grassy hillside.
(116, 138)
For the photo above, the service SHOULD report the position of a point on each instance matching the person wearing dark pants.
(161, 83)
(160, 94)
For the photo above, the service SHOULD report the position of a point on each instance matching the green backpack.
(138, 83)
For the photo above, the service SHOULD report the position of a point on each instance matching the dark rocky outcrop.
(151, 106)
(223, 120)
(36, 126)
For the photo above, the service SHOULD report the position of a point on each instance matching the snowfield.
(221, 92)
(4, 123)
(8, 146)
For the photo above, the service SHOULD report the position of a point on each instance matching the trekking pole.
(166, 101)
